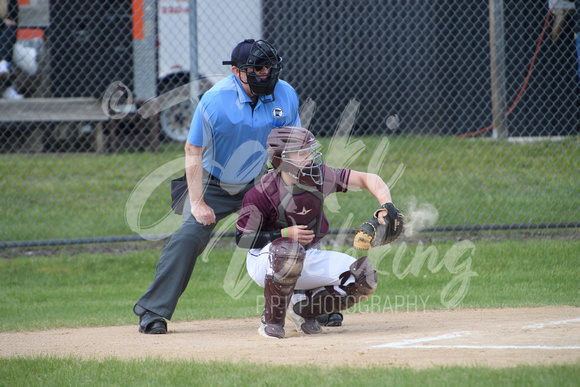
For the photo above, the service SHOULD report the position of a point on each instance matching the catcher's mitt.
(371, 233)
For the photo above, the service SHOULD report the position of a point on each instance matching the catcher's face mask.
(303, 165)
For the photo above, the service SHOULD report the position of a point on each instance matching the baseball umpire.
(281, 222)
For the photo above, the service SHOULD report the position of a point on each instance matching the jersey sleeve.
(334, 180)
(201, 129)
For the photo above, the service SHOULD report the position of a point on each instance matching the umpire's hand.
(203, 213)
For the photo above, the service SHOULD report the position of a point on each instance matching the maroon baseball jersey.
(272, 205)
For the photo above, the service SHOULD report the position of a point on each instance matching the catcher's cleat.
(271, 331)
(330, 319)
(151, 323)
(308, 326)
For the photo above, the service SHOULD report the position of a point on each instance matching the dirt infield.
(484, 337)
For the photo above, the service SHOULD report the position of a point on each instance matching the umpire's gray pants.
(179, 256)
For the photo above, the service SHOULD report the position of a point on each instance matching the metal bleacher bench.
(50, 111)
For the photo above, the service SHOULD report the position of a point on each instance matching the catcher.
(281, 222)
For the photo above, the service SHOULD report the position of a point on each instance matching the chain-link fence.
(468, 109)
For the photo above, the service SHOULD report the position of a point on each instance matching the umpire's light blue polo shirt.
(233, 135)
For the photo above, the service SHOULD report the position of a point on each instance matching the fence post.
(497, 66)
(193, 65)
(144, 58)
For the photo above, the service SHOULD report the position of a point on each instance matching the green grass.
(100, 290)
(479, 181)
(469, 181)
(73, 371)
(503, 274)
(73, 196)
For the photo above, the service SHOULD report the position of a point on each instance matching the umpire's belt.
(232, 189)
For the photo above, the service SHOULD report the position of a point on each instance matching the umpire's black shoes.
(152, 323)
(149, 322)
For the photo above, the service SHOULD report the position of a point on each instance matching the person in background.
(8, 28)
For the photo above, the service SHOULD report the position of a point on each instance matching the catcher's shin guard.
(286, 259)
(365, 281)
(332, 299)
(276, 299)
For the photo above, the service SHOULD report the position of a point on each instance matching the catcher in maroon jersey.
(282, 220)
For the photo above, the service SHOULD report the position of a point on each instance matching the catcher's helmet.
(284, 141)
(257, 54)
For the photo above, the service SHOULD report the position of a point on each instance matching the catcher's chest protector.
(297, 206)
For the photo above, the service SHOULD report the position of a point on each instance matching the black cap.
(241, 53)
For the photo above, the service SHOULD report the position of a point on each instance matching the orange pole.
(138, 20)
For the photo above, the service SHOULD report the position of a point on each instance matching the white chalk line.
(411, 343)
(550, 324)
(477, 346)
(407, 343)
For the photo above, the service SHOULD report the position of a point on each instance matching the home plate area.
(494, 337)
(476, 338)
(503, 337)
